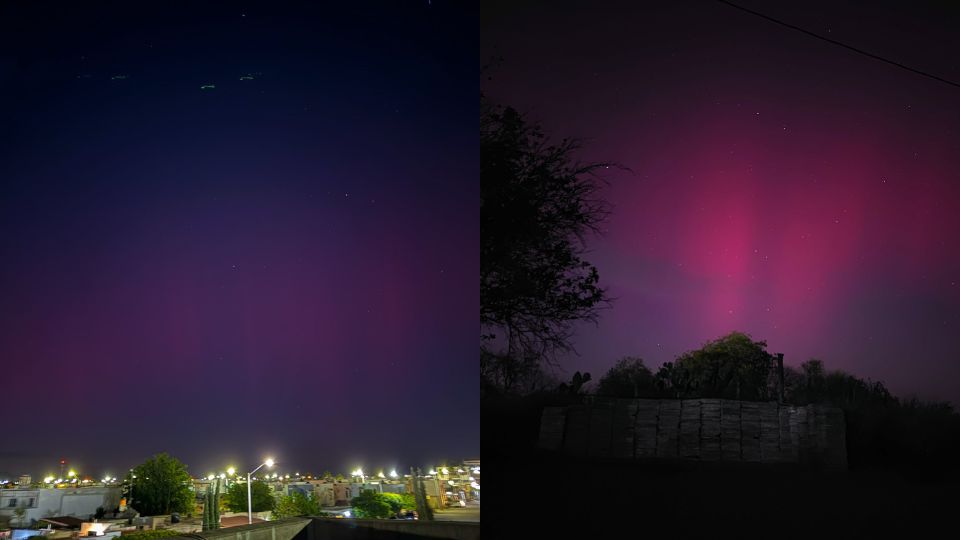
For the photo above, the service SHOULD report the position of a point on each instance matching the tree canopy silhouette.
(629, 378)
(537, 204)
(733, 366)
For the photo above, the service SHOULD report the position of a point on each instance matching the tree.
(296, 504)
(400, 502)
(629, 378)
(162, 486)
(537, 205)
(260, 493)
(575, 386)
(370, 504)
(733, 367)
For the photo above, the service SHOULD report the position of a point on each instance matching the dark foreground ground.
(536, 494)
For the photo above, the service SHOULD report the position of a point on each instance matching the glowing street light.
(393, 473)
(72, 473)
(359, 472)
(380, 475)
(268, 463)
(48, 480)
(231, 471)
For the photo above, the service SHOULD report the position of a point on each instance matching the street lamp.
(231, 471)
(268, 463)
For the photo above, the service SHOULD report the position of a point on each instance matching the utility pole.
(780, 377)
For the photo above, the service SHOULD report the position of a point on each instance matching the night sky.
(781, 186)
(238, 231)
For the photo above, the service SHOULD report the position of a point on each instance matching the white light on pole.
(268, 463)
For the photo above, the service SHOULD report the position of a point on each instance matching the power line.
(844, 45)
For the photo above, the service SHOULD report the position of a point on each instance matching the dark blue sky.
(284, 264)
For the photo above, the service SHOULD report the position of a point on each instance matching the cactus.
(211, 509)
(206, 509)
(420, 495)
(215, 518)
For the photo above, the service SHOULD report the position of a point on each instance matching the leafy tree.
(340, 477)
(628, 378)
(733, 366)
(327, 476)
(537, 205)
(399, 502)
(296, 504)
(99, 513)
(162, 486)
(370, 504)
(260, 492)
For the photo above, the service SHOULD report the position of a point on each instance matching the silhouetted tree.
(733, 366)
(629, 378)
(575, 386)
(537, 204)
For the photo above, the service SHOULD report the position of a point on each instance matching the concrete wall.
(346, 529)
(701, 429)
(385, 529)
(284, 529)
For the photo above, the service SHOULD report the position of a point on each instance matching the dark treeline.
(883, 431)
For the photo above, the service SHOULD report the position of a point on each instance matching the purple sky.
(283, 266)
(781, 185)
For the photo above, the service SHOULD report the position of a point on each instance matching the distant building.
(39, 503)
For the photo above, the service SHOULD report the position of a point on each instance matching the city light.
(48, 480)
(269, 463)
(380, 475)
(72, 473)
(445, 470)
(231, 471)
(222, 476)
(210, 477)
(393, 473)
